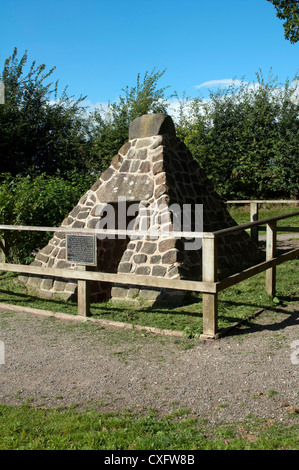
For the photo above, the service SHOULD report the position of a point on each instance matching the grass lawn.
(235, 303)
(26, 428)
(241, 214)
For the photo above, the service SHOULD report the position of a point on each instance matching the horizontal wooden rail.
(264, 201)
(98, 231)
(209, 286)
(238, 228)
(253, 270)
(149, 281)
(282, 229)
(142, 233)
(254, 214)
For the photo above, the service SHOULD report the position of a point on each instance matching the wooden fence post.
(209, 274)
(83, 293)
(2, 252)
(254, 215)
(271, 253)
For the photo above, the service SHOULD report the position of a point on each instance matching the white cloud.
(93, 106)
(173, 108)
(222, 82)
(295, 88)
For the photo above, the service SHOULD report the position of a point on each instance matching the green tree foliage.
(111, 125)
(288, 10)
(43, 200)
(51, 150)
(246, 138)
(39, 132)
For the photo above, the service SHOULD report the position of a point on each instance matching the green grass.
(235, 303)
(241, 214)
(27, 428)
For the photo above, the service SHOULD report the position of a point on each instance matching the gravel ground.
(255, 370)
(51, 362)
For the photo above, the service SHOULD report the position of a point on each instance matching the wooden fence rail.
(254, 213)
(209, 286)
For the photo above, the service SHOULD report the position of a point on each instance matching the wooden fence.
(209, 286)
(254, 214)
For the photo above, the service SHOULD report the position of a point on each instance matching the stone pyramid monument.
(153, 169)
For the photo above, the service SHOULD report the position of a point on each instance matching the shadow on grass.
(250, 327)
(191, 310)
(25, 298)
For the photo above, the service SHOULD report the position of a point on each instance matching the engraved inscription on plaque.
(81, 249)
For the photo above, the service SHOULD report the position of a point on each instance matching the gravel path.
(50, 363)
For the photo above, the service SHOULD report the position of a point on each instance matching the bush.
(39, 201)
(246, 138)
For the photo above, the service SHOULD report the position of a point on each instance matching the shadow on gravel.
(274, 323)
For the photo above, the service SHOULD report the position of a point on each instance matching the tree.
(42, 200)
(246, 138)
(288, 10)
(39, 132)
(110, 126)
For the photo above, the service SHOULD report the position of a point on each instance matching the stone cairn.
(154, 167)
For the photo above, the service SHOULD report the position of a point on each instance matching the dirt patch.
(50, 363)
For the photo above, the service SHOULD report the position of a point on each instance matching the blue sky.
(99, 46)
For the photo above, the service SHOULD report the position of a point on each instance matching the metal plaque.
(81, 249)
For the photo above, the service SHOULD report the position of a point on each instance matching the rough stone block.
(151, 125)
(47, 250)
(159, 271)
(149, 294)
(83, 215)
(158, 167)
(166, 245)
(125, 148)
(59, 286)
(162, 189)
(141, 154)
(149, 248)
(107, 174)
(47, 284)
(34, 281)
(138, 259)
(143, 270)
(119, 292)
(135, 187)
(155, 259)
(144, 167)
(135, 166)
(133, 292)
(75, 211)
(62, 254)
(41, 257)
(170, 257)
(124, 267)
